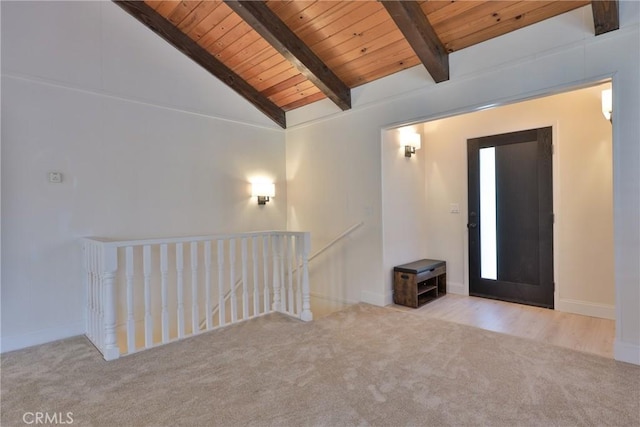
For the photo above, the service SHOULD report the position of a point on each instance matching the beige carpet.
(362, 366)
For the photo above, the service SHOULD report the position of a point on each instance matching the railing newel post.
(108, 275)
(88, 288)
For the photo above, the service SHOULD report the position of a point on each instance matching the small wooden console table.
(419, 282)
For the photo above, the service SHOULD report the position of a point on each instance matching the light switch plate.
(55, 177)
(454, 208)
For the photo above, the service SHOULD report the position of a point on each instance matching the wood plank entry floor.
(583, 333)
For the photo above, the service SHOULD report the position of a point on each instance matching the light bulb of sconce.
(263, 191)
(411, 142)
(607, 104)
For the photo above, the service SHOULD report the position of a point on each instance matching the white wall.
(331, 196)
(404, 202)
(338, 154)
(583, 193)
(149, 144)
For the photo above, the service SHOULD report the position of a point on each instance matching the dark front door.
(511, 217)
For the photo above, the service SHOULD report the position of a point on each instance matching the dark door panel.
(523, 232)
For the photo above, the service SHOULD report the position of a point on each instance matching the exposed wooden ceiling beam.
(165, 29)
(412, 22)
(605, 16)
(271, 28)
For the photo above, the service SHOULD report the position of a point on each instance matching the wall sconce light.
(411, 142)
(263, 191)
(607, 104)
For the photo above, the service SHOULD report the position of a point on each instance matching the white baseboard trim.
(18, 342)
(457, 288)
(375, 298)
(585, 308)
(331, 298)
(626, 352)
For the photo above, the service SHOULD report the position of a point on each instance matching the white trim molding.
(586, 308)
(17, 342)
(375, 298)
(457, 288)
(332, 299)
(626, 352)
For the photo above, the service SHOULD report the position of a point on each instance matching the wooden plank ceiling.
(284, 54)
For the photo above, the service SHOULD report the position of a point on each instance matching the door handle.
(472, 225)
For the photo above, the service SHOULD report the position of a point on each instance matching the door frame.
(544, 295)
(557, 258)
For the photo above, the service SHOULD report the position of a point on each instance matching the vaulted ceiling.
(284, 54)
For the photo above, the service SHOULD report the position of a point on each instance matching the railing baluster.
(265, 269)
(290, 254)
(131, 322)
(298, 262)
(245, 290)
(164, 277)
(221, 301)
(194, 288)
(306, 314)
(283, 291)
(207, 282)
(180, 286)
(232, 280)
(275, 243)
(148, 319)
(283, 273)
(256, 290)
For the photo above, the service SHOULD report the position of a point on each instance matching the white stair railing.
(295, 270)
(145, 293)
(336, 239)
